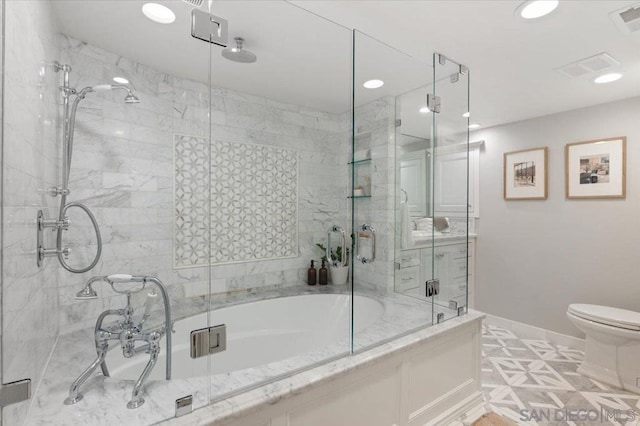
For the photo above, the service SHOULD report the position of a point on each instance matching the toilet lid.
(607, 315)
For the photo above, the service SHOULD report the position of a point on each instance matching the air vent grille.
(628, 19)
(592, 64)
(195, 3)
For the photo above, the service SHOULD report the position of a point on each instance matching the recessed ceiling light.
(425, 110)
(474, 125)
(532, 9)
(608, 78)
(158, 13)
(466, 114)
(120, 80)
(373, 84)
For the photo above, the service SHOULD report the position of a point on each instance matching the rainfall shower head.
(238, 54)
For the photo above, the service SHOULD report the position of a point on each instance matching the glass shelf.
(366, 160)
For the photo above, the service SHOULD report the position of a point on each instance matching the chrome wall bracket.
(453, 305)
(461, 311)
(208, 341)
(439, 317)
(54, 224)
(210, 28)
(15, 392)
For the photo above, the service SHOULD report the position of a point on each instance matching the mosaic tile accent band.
(254, 202)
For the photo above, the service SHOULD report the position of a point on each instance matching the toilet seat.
(607, 315)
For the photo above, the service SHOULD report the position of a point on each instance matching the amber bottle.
(311, 275)
(324, 274)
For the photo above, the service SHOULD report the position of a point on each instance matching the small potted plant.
(339, 271)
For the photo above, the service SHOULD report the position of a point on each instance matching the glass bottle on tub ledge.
(311, 275)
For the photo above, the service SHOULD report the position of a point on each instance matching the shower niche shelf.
(362, 177)
(359, 162)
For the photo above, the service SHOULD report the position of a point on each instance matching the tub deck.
(105, 399)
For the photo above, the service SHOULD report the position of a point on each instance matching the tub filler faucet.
(126, 332)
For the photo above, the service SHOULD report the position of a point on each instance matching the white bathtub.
(259, 333)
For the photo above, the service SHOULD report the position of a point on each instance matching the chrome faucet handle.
(115, 279)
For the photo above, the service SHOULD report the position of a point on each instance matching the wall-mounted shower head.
(88, 292)
(131, 99)
(238, 54)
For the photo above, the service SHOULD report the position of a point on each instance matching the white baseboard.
(527, 331)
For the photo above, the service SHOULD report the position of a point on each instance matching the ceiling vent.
(590, 65)
(194, 3)
(627, 19)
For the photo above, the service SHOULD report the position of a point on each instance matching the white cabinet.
(413, 175)
(451, 262)
(450, 182)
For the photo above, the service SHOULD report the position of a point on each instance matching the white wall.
(534, 258)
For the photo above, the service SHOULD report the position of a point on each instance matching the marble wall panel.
(31, 153)
(123, 170)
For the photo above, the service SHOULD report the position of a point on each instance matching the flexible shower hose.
(94, 222)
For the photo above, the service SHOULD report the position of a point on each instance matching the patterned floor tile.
(535, 382)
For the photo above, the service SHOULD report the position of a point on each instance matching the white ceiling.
(305, 59)
(512, 61)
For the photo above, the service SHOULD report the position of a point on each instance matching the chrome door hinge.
(15, 392)
(209, 340)
(433, 287)
(210, 28)
(184, 405)
(433, 103)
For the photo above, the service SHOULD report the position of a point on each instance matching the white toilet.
(612, 352)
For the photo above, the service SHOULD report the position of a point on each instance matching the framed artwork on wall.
(525, 174)
(596, 169)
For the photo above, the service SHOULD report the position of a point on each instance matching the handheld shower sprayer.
(62, 223)
(129, 99)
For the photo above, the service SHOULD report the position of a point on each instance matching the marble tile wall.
(375, 131)
(31, 152)
(123, 170)
(1, 179)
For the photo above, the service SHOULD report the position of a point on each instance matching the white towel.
(425, 224)
(407, 239)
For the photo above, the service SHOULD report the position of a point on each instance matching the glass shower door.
(390, 128)
(450, 187)
(279, 179)
(141, 132)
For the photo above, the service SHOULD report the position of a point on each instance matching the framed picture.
(596, 169)
(525, 174)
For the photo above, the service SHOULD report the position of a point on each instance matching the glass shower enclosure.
(254, 149)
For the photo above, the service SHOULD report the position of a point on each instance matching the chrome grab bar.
(371, 230)
(343, 259)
